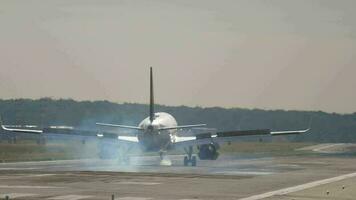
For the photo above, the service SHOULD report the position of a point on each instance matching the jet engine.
(208, 151)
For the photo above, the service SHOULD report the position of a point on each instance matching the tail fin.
(152, 112)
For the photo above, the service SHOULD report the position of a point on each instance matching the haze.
(253, 54)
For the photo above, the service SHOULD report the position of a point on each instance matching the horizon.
(165, 105)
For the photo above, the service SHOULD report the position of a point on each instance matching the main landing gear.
(190, 159)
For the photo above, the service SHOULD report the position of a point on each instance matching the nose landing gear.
(190, 159)
(165, 161)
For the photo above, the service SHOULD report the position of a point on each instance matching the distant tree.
(326, 127)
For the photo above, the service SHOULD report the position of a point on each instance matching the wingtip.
(1, 123)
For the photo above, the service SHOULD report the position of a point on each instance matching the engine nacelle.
(208, 151)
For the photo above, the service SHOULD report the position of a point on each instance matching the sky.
(268, 54)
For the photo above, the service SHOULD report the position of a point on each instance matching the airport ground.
(325, 171)
(30, 150)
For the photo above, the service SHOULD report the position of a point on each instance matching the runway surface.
(229, 177)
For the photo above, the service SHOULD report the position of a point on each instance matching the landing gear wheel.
(194, 161)
(190, 159)
(186, 161)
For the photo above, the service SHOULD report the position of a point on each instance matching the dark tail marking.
(152, 112)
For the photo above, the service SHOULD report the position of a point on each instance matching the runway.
(226, 165)
(230, 177)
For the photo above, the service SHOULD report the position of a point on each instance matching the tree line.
(326, 127)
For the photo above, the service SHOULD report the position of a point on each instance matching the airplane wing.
(20, 130)
(71, 131)
(140, 128)
(219, 137)
(289, 132)
(88, 133)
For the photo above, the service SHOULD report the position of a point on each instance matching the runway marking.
(48, 162)
(299, 187)
(134, 198)
(25, 176)
(18, 168)
(311, 147)
(28, 187)
(70, 197)
(243, 173)
(17, 195)
(286, 165)
(327, 146)
(39, 175)
(187, 199)
(138, 183)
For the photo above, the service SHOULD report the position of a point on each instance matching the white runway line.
(70, 197)
(39, 175)
(19, 168)
(25, 176)
(134, 198)
(138, 183)
(242, 173)
(310, 148)
(28, 187)
(299, 187)
(327, 146)
(187, 199)
(47, 162)
(16, 195)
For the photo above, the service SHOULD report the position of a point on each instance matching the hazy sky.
(286, 54)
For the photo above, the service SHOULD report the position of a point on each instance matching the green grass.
(272, 148)
(30, 151)
(250, 147)
(27, 150)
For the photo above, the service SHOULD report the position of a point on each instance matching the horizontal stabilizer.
(182, 127)
(119, 126)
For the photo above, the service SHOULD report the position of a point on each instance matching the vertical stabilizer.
(152, 112)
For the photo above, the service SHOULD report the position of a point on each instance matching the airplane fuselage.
(154, 139)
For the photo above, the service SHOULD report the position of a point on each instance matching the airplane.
(160, 132)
